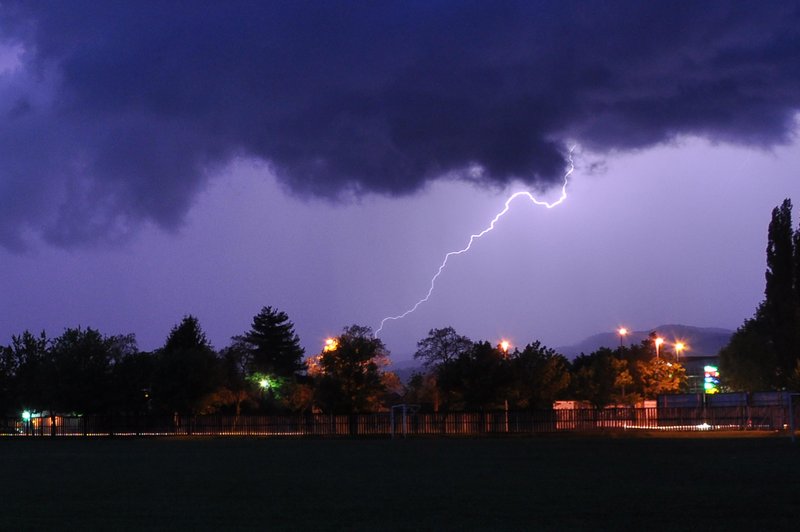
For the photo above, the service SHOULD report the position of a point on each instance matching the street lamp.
(330, 344)
(623, 332)
(504, 346)
(658, 342)
(679, 347)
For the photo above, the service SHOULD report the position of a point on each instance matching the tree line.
(460, 374)
(264, 370)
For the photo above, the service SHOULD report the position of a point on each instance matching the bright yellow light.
(330, 344)
(622, 331)
(264, 383)
(659, 341)
(504, 345)
(680, 346)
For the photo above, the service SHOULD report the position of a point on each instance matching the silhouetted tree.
(780, 305)
(79, 368)
(8, 372)
(422, 390)
(132, 378)
(441, 346)
(27, 359)
(540, 376)
(765, 350)
(348, 373)
(273, 346)
(236, 388)
(599, 377)
(187, 370)
(477, 379)
(438, 352)
(748, 362)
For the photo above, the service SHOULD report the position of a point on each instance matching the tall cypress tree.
(765, 351)
(187, 370)
(780, 301)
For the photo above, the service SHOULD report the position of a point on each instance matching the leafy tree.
(132, 378)
(79, 366)
(26, 360)
(540, 376)
(598, 377)
(439, 352)
(629, 383)
(348, 373)
(8, 371)
(187, 371)
(625, 382)
(441, 346)
(660, 376)
(273, 346)
(479, 378)
(236, 389)
(422, 389)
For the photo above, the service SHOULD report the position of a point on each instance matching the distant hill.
(405, 369)
(700, 341)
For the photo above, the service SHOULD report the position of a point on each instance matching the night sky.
(171, 158)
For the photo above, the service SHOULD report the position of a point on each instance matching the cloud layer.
(113, 114)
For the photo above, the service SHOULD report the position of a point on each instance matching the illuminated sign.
(711, 379)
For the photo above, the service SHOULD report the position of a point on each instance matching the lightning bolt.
(473, 238)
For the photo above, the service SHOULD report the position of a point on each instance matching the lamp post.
(679, 347)
(658, 341)
(622, 332)
(504, 347)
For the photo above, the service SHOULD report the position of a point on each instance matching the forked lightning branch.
(476, 236)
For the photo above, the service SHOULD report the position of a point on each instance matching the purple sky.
(145, 175)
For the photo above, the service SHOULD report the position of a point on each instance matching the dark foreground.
(555, 483)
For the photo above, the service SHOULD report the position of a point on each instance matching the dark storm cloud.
(121, 110)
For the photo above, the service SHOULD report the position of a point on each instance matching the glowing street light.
(26, 415)
(658, 342)
(264, 384)
(331, 344)
(622, 332)
(504, 346)
(679, 347)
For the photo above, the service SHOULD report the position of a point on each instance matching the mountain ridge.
(699, 341)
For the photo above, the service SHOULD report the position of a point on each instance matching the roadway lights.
(679, 347)
(658, 342)
(331, 344)
(622, 332)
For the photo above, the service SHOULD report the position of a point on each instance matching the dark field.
(707, 483)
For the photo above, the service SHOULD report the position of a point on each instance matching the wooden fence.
(408, 423)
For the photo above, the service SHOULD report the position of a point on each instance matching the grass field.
(553, 483)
